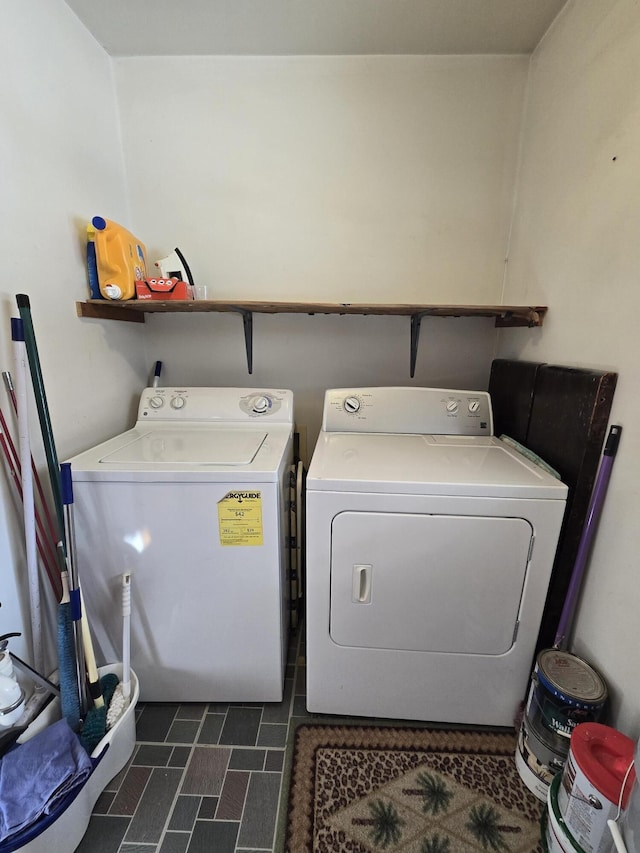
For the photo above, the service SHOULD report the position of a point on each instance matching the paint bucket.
(630, 823)
(592, 781)
(556, 833)
(565, 691)
(536, 761)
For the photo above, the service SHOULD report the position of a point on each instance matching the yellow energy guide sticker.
(240, 518)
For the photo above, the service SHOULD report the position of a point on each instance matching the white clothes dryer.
(430, 544)
(194, 502)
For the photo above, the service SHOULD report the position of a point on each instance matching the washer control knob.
(261, 405)
(351, 405)
(474, 406)
(156, 402)
(452, 406)
(178, 402)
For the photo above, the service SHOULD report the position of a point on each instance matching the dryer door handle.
(361, 584)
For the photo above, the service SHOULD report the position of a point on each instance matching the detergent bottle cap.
(112, 291)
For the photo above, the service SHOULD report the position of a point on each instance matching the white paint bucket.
(591, 786)
(565, 691)
(556, 833)
(536, 762)
(630, 824)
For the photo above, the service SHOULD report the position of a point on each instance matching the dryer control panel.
(422, 411)
(216, 405)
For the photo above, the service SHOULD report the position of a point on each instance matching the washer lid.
(188, 453)
(427, 464)
(189, 447)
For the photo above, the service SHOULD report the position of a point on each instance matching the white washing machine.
(194, 502)
(430, 545)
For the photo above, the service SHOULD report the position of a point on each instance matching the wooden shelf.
(134, 310)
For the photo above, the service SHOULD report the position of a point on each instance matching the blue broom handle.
(66, 489)
(75, 594)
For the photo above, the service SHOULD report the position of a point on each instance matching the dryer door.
(437, 583)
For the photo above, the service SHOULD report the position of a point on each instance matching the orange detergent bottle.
(121, 259)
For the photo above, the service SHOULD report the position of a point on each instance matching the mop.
(67, 660)
(121, 696)
(94, 724)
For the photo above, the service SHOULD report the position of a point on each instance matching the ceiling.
(316, 27)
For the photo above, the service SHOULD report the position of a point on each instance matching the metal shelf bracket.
(416, 320)
(247, 322)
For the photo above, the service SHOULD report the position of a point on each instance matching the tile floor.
(206, 778)
(202, 778)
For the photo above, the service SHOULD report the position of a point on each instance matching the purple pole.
(595, 506)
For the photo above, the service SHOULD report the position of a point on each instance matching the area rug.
(368, 789)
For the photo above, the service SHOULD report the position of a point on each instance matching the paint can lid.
(604, 755)
(570, 678)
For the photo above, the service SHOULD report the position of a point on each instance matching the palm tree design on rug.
(436, 796)
(436, 844)
(386, 823)
(483, 824)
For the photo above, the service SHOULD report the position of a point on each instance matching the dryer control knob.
(261, 405)
(156, 402)
(452, 406)
(178, 402)
(351, 405)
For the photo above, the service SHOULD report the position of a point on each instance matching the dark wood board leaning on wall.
(512, 386)
(561, 413)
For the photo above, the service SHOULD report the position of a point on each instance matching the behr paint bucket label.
(565, 691)
(536, 765)
(591, 785)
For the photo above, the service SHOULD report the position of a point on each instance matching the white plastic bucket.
(591, 787)
(630, 823)
(116, 747)
(557, 835)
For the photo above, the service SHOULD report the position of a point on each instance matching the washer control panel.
(423, 411)
(215, 405)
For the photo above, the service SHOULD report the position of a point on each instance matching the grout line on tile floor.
(110, 830)
(167, 822)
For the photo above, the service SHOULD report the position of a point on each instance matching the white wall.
(336, 179)
(576, 247)
(61, 163)
(341, 179)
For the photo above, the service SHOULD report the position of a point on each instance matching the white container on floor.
(116, 747)
(592, 781)
(630, 824)
(557, 835)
